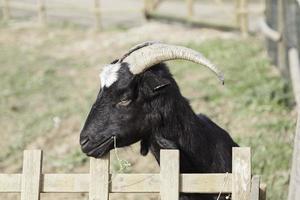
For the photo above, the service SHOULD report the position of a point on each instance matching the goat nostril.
(84, 141)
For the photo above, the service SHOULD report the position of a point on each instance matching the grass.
(40, 84)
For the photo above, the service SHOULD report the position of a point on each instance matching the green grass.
(255, 105)
(35, 88)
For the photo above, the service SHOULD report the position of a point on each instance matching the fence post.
(190, 8)
(281, 45)
(294, 186)
(241, 173)
(99, 178)
(42, 12)
(237, 14)
(241, 15)
(31, 176)
(244, 22)
(169, 174)
(5, 10)
(255, 183)
(97, 13)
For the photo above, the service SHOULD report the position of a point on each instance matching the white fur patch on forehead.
(109, 74)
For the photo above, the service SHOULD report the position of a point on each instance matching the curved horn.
(153, 53)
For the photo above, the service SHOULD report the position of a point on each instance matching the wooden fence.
(283, 33)
(241, 15)
(99, 182)
(40, 8)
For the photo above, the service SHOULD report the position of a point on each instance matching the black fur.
(161, 118)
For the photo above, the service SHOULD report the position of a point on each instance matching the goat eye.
(124, 102)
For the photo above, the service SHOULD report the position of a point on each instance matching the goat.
(139, 100)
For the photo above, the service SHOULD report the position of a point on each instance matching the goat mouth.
(101, 148)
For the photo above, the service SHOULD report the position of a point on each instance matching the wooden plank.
(206, 183)
(56, 183)
(241, 173)
(10, 182)
(32, 167)
(255, 182)
(189, 183)
(169, 174)
(99, 178)
(135, 183)
(121, 183)
(294, 186)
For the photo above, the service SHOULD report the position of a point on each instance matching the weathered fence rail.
(99, 182)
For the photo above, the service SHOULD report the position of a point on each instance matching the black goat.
(147, 105)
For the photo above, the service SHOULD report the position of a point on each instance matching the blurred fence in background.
(241, 13)
(83, 12)
(233, 14)
(281, 27)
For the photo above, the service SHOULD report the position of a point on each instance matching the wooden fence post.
(97, 13)
(294, 186)
(190, 8)
(241, 16)
(237, 14)
(255, 183)
(169, 174)
(5, 10)
(32, 168)
(241, 173)
(42, 12)
(281, 45)
(99, 178)
(148, 7)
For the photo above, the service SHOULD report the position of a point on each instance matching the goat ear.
(155, 83)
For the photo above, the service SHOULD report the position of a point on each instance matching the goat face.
(127, 108)
(123, 108)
